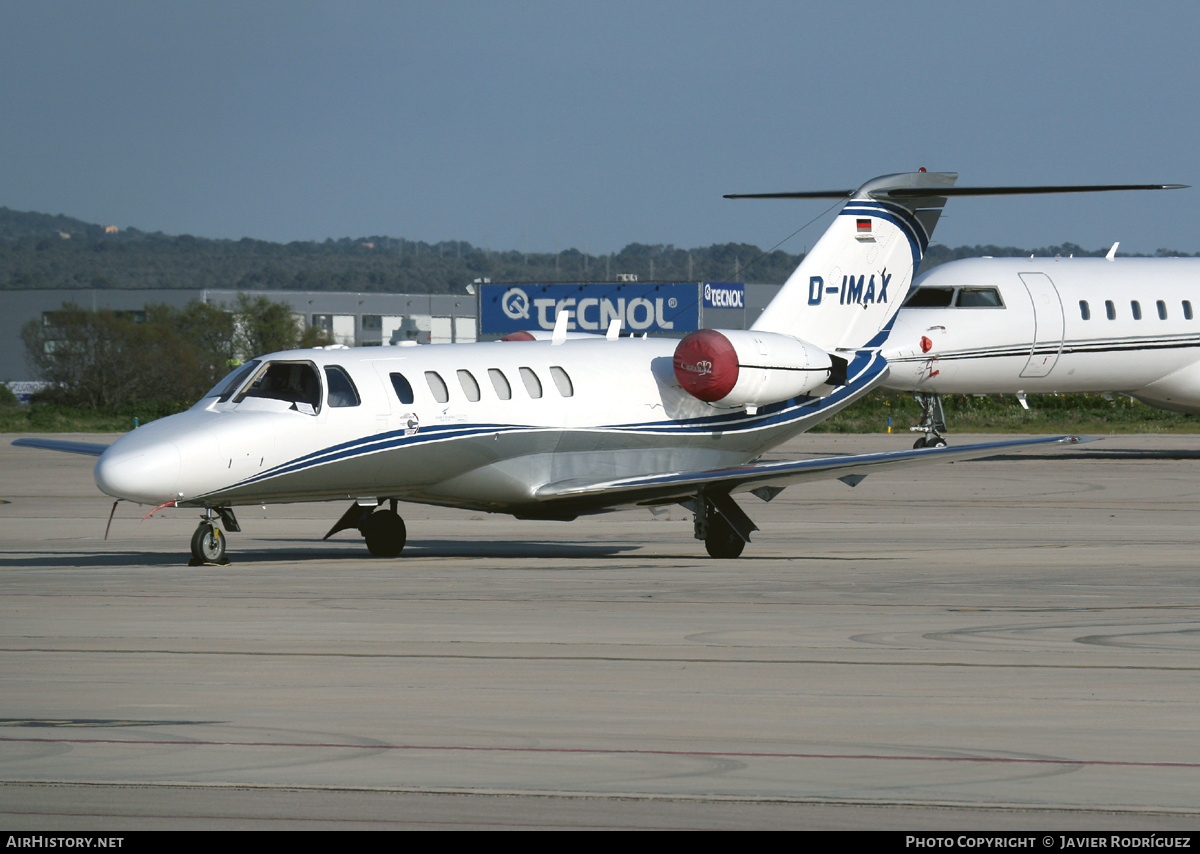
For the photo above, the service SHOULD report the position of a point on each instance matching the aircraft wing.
(94, 449)
(650, 489)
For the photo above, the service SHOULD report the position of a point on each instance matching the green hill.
(56, 251)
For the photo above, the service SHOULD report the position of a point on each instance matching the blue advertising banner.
(641, 306)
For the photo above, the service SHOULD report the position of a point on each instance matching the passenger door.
(1048, 324)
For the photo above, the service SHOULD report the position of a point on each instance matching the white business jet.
(554, 429)
(1036, 325)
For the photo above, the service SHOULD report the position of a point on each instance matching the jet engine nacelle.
(734, 367)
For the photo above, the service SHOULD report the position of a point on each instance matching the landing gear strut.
(383, 530)
(723, 526)
(932, 423)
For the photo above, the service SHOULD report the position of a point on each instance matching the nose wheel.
(208, 545)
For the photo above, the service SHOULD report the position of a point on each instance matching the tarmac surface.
(1007, 644)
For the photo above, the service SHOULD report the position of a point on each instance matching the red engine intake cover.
(706, 365)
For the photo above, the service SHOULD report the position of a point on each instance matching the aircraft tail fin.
(846, 291)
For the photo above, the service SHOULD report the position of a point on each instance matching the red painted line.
(609, 752)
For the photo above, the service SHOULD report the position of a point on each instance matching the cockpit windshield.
(295, 382)
(930, 298)
(227, 386)
(957, 297)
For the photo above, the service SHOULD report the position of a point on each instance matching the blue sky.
(548, 125)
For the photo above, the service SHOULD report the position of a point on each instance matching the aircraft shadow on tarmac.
(291, 551)
(515, 549)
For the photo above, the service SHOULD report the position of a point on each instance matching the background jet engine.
(748, 368)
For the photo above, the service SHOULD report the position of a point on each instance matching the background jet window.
(562, 381)
(1187, 309)
(1085, 311)
(1162, 310)
(930, 298)
(500, 383)
(437, 386)
(1136, 308)
(469, 386)
(342, 392)
(404, 391)
(532, 384)
(1110, 309)
(978, 298)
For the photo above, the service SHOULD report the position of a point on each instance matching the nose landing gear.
(208, 542)
(933, 421)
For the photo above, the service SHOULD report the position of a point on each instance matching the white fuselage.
(1037, 325)
(484, 427)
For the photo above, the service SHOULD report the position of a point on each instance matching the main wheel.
(385, 533)
(722, 541)
(208, 543)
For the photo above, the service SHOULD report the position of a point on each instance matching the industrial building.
(354, 319)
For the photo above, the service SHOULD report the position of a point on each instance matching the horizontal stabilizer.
(947, 192)
(93, 449)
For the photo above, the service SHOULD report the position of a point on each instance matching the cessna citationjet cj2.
(1039, 325)
(554, 429)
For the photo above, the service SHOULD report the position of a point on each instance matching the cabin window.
(296, 382)
(437, 386)
(532, 384)
(1136, 308)
(1085, 310)
(562, 381)
(500, 383)
(1162, 310)
(1187, 309)
(978, 298)
(930, 298)
(342, 392)
(404, 392)
(226, 387)
(469, 386)
(1110, 309)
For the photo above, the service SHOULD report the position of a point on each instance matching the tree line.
(35, 254)
(162, 359)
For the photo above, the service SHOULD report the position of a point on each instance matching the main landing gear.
(208, 542)
(723, 526)
(932, 423)
(383, 530)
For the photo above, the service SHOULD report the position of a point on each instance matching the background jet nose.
(147, 475)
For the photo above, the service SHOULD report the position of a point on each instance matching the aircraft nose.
(147, 473)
